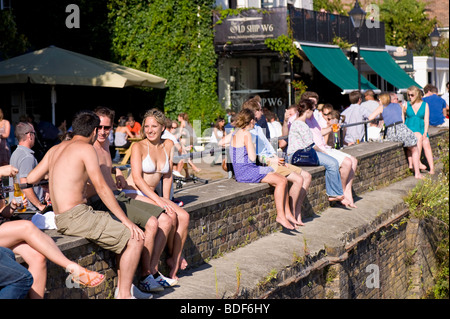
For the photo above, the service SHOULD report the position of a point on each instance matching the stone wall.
(395, 262)
(226, 215)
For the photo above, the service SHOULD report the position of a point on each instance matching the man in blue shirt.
(437, 105)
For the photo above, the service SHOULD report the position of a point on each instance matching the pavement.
(273, 253)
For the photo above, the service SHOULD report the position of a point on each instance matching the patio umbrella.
(56, 66)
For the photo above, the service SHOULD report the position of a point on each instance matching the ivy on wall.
(172, 39)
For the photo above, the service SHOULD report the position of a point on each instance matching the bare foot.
(285, 223)
(293, 221)
(173, 265)
(183, 263)
(422, 167)
(419, 176)
(431, 172)
(336, 198)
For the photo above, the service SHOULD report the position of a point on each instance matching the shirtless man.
(70, 165)
(156, 223)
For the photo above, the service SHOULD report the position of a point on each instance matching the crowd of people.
(135, 216)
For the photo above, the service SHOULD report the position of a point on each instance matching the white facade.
(424, 71)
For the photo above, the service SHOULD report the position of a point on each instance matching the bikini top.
(148, 166)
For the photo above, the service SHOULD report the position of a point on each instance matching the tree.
(172, 39)
(12, 42)
(333, 6)
(406, 24)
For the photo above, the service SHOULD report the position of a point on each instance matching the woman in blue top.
(243, 157)
(418, 120)
(396, 130)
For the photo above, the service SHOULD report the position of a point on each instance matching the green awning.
(383, 64)
(334, 65)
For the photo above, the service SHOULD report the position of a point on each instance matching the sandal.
(93, 278)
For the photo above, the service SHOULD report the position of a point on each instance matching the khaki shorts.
(286, 170)
(137, 211)
(97, 226)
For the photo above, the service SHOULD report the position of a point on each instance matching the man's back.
(355, 113)
(436, 105)
(370, 105)
(68, 163)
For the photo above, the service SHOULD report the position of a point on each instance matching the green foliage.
(172, 39)
(429, 200)
(334, 6)
(283, 45)
(342, 43)
(406, 24)
(12, 43)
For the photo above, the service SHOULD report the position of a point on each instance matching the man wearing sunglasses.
(24, 160)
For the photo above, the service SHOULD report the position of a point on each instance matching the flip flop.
(90, 282)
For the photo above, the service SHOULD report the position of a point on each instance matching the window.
(266, 3)
(232, 4)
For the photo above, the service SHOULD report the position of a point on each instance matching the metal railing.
(323, 27)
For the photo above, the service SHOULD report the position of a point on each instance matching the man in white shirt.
(369, 101)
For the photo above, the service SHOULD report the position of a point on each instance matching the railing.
(323, 27)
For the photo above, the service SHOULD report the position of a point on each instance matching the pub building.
(248, 67)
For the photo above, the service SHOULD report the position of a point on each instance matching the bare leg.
(419, 147)
(306, 182)
(415, 159)
(294, 195)
(280, 184)
(179, 239)
(428, 153)
(18, 232)
(165, 227)
(346, 177)
(150, 233)
(37, 266)
(127, 264)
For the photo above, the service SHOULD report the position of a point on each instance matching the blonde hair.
(384, 98)
(418, 92)
(157, 115)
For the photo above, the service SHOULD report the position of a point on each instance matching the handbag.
(305, 157)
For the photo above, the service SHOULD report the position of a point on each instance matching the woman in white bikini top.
(149, 167)
(146, 165)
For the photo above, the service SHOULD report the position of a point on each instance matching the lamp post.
(358, 16)
(434, 37)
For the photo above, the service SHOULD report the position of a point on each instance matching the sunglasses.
(325, 114)
(411, 94)
(104, 127)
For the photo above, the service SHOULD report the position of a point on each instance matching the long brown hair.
(244, 117)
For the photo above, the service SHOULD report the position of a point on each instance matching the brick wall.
(227, 222)
(396, 262)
